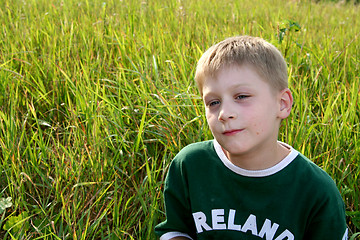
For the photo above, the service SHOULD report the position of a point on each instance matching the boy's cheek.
(207, 115)
(211, 119)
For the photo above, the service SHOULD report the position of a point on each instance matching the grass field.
(98, 96)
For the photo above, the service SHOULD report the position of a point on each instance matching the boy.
(245, 184)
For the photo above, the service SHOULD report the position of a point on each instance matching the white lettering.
(250, 224)
(231, 220)
(286, 234)
(268, 230)
(200, 222)
(218, 221)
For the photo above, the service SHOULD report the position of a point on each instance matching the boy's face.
(243, 111)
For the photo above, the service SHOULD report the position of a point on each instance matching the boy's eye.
(213, 103)
(241, 97)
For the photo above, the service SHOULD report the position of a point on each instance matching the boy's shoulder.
(195, 153)
(314, 176)
(309, 168)
(196, 149)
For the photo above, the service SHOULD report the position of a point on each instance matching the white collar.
(256, 173)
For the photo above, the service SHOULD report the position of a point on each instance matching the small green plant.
(17, 223)
(285, 28)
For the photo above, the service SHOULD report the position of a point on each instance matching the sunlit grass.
(98, 96)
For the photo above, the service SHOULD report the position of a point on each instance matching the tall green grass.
(98, 96)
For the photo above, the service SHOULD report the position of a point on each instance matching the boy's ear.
(286, 101)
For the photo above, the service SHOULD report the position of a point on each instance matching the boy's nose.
(227, 112)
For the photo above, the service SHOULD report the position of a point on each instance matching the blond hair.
(266, 59)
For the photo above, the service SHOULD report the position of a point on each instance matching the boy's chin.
(233, 149)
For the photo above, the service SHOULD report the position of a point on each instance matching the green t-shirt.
(208, 197)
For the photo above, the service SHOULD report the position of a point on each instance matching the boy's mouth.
(232, 132)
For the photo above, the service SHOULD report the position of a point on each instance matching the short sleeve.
(177, 204)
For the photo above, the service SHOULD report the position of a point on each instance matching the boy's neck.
(259, 160)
